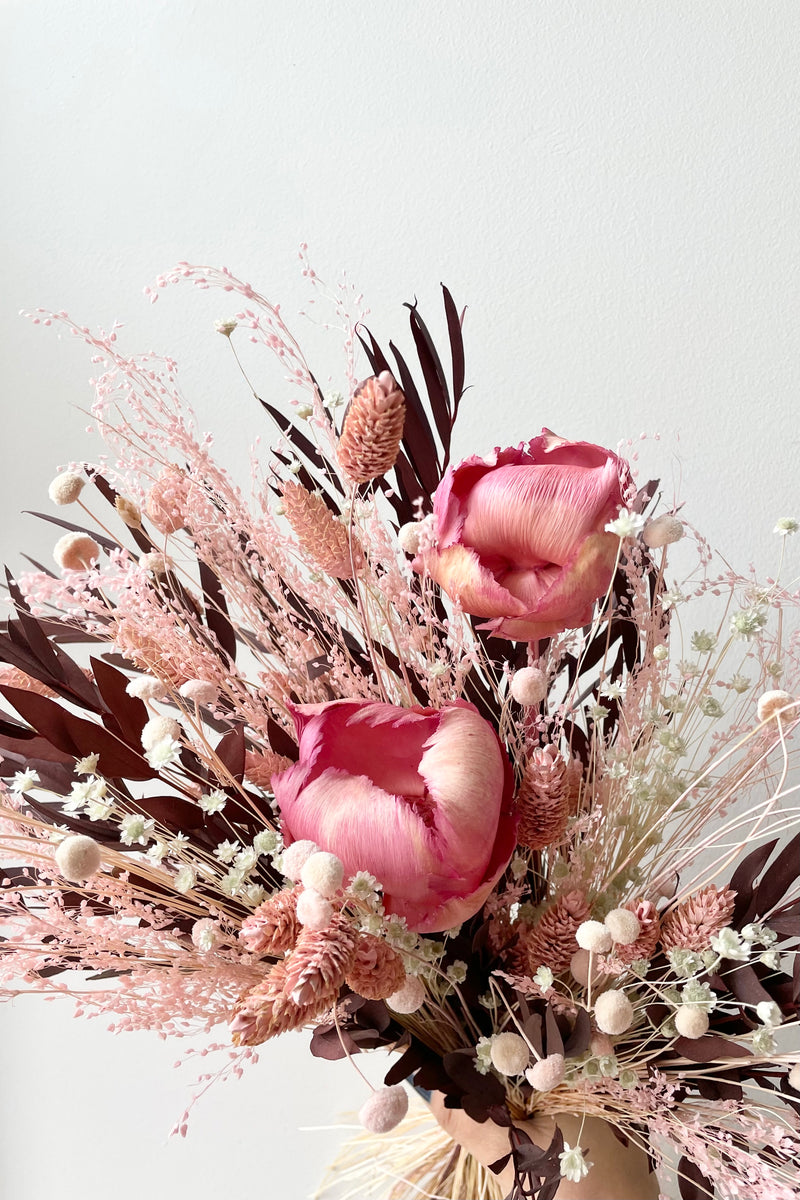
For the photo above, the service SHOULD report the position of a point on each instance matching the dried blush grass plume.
(551, 941)
(260, 766)
(694, 922)
(543, 799)
(273, 928)
(321, 536)
(319, 963)
(372, 429)
(377, 970)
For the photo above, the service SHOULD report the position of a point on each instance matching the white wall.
(611, 187)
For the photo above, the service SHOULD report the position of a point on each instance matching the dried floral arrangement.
(422, 755)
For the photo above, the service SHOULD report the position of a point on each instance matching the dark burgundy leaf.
(302, 444)
(745, 984)
(433, 374)
(707, 1049)
(280, 740)
(99, 830)
(418, 440)
(778, 878)
(216, 610)
(230, 750)
(743, 878)
(173, 812)
(108, 493)
(105, 542)
(555, 1044)
(408, 1063)
(73, 735)
(693, 1184)
(581, 1035)
(454, 333)
(130, 712)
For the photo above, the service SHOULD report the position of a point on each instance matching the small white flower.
(99, 810)
(457, 971)
(597, 712)
(739, 684)
(266, 842)
(163, 754)
(748, 623)
(771, 959)
(626, 525)
(254, 894)
(483, 1061)
(179, 842)
(612, 690)
(246, 860)
(214, 802)
(518, 866)
(363, 886)
(617, 770)
(135, 829)
(673, 598)
(703, 641)
(544, 978)
(185, 879)
(768, 1013)
(226, 852)
(87, 765)
(728, 944)
(786, 525)
(573, 1165)
(710, 707)
(764, 1042)
(24, 781)
(226, 328)
(157, 852)
(304, 411)
(79, 796)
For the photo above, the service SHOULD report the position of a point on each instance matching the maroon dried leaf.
(709, 1048)
(555, 1043)
(743, 879)
(101, 540)
(745, 985)
(130, 712)
(778, 878)
(693, 1184)
(230, 751)
(216, 610)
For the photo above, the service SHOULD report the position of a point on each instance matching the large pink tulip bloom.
(420, 798)
(520, 535)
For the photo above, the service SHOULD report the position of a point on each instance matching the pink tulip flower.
(520, 536)
(418, 797)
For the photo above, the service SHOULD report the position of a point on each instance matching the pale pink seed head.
(76, 552)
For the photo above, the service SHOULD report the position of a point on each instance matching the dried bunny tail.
(543, 799)
(320, 961)
(373, 427)
(551, 941)
(694, 922)
(377, 970)
(321, 535)
(273, 928)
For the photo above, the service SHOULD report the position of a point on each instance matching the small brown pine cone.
(320, 961)
(259, 767)
(693, 923)
(551, 941)
(266, 1011)
(376, 971)
(373, 428)
(542, 799)
(321, 535)
(273, 928)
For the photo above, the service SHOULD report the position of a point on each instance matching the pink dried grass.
(319, 533)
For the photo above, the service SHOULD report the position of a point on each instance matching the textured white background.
(611, 187)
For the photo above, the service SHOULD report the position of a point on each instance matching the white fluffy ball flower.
(385, 1109)
(159, 729)
(78, 858)
(409, 997)
(547, 1073)
(623, 925)
(66, 488)
(594, 937)
(146, 687)
(771, 703)
(691, 1021)
(662, 531)
(295, 857)
(199, 691)
(323, 872)
(613, 1012)
(76, 552)
(408, 537)
(510, 1053)
(205, 935)
(529, 686)
(314, 911)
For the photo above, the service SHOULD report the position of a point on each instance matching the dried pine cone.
(321, 535)
(320, 961)
(543, 799)
(273, 928)
(373, 427)
(551, 941)
(376, 971)
(692, 924)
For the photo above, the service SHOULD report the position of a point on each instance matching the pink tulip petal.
(471, 585)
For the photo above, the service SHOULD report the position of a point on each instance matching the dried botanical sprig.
(273, 928)
(376, 971)
(321, 535)
(551, 941)
(320, 961)
(372, 429)
(267, 1011)
(543, 799)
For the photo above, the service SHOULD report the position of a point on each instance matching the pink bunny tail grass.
(321, 535)
(372, 430)
(694, 922)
